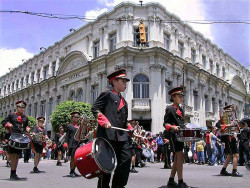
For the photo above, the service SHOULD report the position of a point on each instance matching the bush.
(61, 116)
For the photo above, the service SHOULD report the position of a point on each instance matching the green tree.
(61, 116)
(32, 122)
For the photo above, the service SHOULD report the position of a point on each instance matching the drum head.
(104, 155)
(20, 138)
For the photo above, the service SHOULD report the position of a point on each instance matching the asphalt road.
(151, 176)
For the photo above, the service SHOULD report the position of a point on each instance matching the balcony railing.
(189, 111)
(210, 116)
(141, 104)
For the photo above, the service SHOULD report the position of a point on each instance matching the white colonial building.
(75, 68)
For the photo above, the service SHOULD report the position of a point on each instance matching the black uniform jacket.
(107, 104)
(171, 117)
(18, 127)
(36, 130)
(57, 136)
(71, 131)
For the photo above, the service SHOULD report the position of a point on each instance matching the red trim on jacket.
(7, 125)
(101, 119)
(223, 127)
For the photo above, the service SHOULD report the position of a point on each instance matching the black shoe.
(237, 174)
(26, 161)
(167, 167)
(76, 175)
(35, 170)
(133, 170)
(71, 175)
(171, 184)
(58, 164)
(141, 164)
(7, 164)
(14, 177)
(182, 185)
(225, 173)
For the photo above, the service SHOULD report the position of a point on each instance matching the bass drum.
(95, 158)
(19, 141)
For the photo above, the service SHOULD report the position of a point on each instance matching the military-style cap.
(21, 104)
(121, 73)
(176, 90)
(60, 127)
(41, 118)
(131, 121)
(74, 114)
(229, 107)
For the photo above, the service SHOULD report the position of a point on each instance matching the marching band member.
(59, 149)
(230, 149)
(244, 138)
(131, 126)
(39, 129)
(111, 109)
(167, 151)
(72, 143)
(173, 121)
(5, 148)
(16, 123)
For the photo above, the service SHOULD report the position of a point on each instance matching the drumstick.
(119, 128)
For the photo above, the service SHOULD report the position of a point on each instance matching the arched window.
(79, 95)
(72, 96)
(141, 86)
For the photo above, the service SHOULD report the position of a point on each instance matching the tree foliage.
(32, 122)
(61, 116)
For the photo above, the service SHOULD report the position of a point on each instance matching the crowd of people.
(132, 145)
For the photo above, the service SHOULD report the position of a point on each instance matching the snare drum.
(95, 158)
(19, 141)
(185, 135)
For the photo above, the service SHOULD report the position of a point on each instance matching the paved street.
(152, 176)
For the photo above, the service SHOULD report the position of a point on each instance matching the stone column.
(88, 90)
(50, 70)
(104, 81)
(202, 105)
(57, 65)
(99, 75)
(128, 94)
(41, 75)
(155, 96)
(84, 87)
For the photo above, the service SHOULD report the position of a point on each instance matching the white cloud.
(92, 14)
(11, 58)
(185, 9)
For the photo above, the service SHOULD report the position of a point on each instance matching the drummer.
(173, 121)
(39, 129)
(16, 123)
(111, 110)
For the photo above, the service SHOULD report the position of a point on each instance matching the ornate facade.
(75, 68)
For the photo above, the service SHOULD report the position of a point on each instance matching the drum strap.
(31, 143)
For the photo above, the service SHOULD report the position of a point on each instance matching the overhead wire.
(84, 18)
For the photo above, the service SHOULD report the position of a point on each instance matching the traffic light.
(137, 36)
(142, 33)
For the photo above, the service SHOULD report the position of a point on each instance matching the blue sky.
(21, 35)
